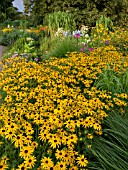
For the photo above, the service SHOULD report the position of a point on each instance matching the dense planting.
(64, 95)
(51, 111)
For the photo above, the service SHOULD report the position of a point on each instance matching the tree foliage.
(8, 11)
(85, 12)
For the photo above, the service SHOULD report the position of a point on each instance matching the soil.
(2, 50)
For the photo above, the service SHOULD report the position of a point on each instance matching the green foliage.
(60, 19)
(18, 46)
(112, 81)
(58, 48)
(16, 23)
(24, 46)
(34, 36)
(115, 9)
(23, 24)
(47, 43)
(111, 149)
(6, 23)
(85, 12)
(8, 11)
(33, 21)
(9, 38)
(106, 22)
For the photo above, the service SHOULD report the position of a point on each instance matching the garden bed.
(67, 109)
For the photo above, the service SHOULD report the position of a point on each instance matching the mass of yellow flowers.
(7, 30)
(51, 111)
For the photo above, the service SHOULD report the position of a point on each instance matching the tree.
(38, 9)
(7, 11)
(85, 11)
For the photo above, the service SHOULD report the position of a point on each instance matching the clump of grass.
(110, 80)
(111, 149)
(61, 47)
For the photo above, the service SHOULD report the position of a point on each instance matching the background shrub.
(85, 12)
(9, 38)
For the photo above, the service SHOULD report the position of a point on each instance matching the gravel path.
(2, 50)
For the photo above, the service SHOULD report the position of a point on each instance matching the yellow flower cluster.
(100, 28)
(38, 30)
(101, 34)
(3, 163)
(34, 31)
(52, 111)
(7, 30)
(41, 28)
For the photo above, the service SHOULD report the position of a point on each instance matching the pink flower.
(85, 45)
(82, 49)
(36, 59)
(106, 42)
(15, 55)
(91, 49)
(77, 35)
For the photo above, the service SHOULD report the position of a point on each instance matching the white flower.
(76, 32)
(59, 32)
(88, 41)
(86, 35)
(67, 33)
(29, 39)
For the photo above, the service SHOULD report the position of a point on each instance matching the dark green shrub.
(32, 35)
(6, 23)
(16, 23)
(9, 38)
(85, 12)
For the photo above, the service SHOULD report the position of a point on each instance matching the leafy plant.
(59, 19)
(112, 81)
(61, 47)
(9, 38)
(111, 149)
(106, 22)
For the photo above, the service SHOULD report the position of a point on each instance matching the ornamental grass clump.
(51, 111)
(113, 150)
